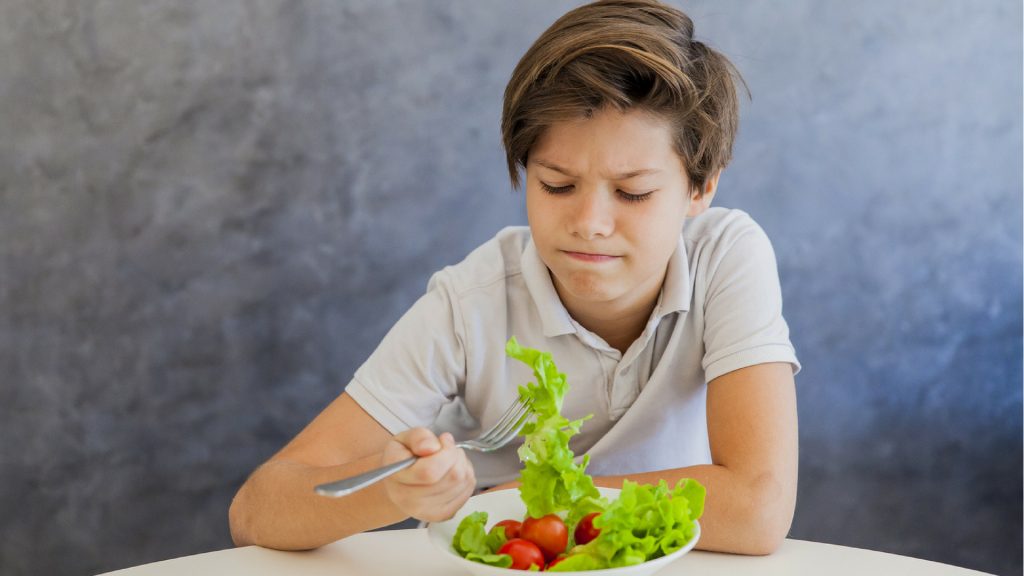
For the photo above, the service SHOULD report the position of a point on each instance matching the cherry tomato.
(524, 554)
(585, 531)
(512, 528)
(548, 533)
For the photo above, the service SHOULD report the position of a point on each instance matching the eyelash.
(624, 195)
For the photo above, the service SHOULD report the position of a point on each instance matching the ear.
(700, 203)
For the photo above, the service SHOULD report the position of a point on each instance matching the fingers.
(422, 442)
(413, 442)
(437, 485)
(437, 455)
(468, 484)
(459, 484)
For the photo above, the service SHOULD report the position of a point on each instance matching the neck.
(619, 326)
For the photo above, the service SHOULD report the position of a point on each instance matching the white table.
(400, 552)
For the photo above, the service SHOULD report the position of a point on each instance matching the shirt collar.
(676, 290)
(674, 295)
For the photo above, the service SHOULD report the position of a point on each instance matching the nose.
(593, 215)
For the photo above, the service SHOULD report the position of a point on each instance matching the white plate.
(506, 504)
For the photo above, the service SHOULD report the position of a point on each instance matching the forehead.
(608, 141)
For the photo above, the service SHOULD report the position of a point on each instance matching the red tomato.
(512, 528)
(524, 554)
(548, 533)
(585, 531)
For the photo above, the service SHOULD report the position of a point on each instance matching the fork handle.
(346, 486)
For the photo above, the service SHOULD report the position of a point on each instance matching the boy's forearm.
(743, 514)
(277, 508)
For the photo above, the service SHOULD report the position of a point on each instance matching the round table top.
(410, 552)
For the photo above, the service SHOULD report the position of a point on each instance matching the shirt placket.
(633, 369)
(624, 389)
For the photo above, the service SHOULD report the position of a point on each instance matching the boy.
(665, 314)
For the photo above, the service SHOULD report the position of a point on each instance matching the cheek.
(656, 221)
(531, 207)
(531, 203)
(539, 212)
(658, 233)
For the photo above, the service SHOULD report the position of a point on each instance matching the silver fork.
(497, 436)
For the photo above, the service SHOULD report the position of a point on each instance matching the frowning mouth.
(590, 257)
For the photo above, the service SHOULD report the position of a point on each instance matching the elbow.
(763, 542)
(762, 537)
(769, 517)
(240, 521)
(253, 525)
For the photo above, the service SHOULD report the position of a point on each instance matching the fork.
(503, 431)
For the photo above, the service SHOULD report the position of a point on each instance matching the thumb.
(422, 442)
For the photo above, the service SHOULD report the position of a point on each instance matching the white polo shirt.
(443, 364)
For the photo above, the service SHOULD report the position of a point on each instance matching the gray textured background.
(210, 212)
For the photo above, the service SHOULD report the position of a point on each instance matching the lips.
(590, 256)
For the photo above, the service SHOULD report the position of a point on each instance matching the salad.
(569, 526)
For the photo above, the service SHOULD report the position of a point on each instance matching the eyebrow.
(623, 176)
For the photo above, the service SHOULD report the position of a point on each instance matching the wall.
(211, 212)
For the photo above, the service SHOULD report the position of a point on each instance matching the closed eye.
(628, 197)
(555, 189)
(634, 197)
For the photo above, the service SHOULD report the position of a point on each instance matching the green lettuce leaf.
(550, 481)
(578, 563)
(645, 522)
(581, 508)
(496, 538)
(472, 543)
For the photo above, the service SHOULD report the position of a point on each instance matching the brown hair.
(627, 54)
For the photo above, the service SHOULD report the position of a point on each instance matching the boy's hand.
(436, 486)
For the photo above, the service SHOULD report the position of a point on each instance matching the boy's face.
(606, 198)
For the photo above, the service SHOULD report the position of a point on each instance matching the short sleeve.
(743, 323)
(418, 367)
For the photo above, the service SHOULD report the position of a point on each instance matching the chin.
(589, 288)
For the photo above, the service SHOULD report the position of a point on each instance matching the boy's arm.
(751, 483)
(277, 508)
